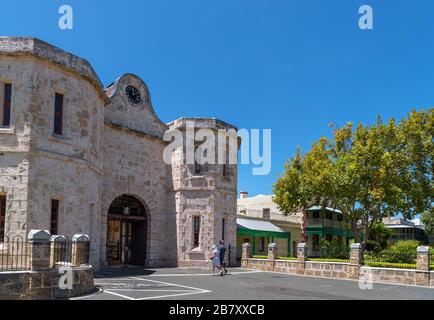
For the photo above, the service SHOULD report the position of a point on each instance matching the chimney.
(244, 195)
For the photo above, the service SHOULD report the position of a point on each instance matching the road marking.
(200, 274)
(190, 291)
(169, 284)
(151, 290)
(175, 295)
(119, 295)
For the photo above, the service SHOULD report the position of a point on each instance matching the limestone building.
(78, 158)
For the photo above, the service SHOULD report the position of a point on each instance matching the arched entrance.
(126, 232)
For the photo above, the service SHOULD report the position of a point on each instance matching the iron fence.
(61, 253)
(391, 259)
(14, 254)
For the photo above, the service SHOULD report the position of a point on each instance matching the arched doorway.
(126, 232)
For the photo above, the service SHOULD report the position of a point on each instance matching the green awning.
(259, 228)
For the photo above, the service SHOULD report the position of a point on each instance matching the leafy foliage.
(403, 252)
(379, 236)
(334, 249)
(368, 172)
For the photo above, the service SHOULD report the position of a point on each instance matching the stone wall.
(44, 285)
(338, 270)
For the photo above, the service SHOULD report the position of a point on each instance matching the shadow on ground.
(124, 271)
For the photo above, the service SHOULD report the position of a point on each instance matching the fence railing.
(61, 253)
(14, 254)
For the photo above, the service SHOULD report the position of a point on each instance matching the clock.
(133, 94)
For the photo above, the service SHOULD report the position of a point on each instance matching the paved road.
(194, 284)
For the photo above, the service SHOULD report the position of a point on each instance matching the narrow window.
(2, 217)
(266, 213)
(223, 228)
(58, 114)
(197, 165)
(54, 216)
(224, 170)
(6, 122)
(196, 231)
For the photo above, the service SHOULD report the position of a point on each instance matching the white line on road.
(151, 290)
(169, 284)
(199, 274)
(175, 295)
(119, 295)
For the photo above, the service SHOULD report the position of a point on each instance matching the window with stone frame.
(5, 114)
(266, 213)
(196, 232)
(54, 221)
(58, 114)
(2, 217)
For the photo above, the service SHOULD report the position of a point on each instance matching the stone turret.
(205, 194)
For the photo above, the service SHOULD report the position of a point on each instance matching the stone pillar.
(246, 254)
(80, 249)
(272, 251)
(302, 256)
(356, 259)
(272, 256)
(247, 251)
(423, 266)
(40, 286)
(39, 250)
(58, 250)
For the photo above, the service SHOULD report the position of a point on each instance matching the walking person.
(221, 253)
(215, 259)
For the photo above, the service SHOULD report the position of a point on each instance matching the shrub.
(334, 249)
(402, 252)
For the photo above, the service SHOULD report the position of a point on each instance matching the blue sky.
(293, 66)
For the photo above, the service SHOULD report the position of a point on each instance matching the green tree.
(379, 236)
(427, 218)
(368, 172)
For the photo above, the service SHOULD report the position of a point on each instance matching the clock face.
(133, 94)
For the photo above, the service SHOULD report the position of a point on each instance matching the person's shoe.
(221, 273)
(226, 271)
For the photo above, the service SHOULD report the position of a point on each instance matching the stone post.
(272, 251)
(58, 250)
(40, 286)
(80, 246)
(423, 266)
(272, 256)
(39, 250)
(356, 259)
(302, 256)
(246, 254)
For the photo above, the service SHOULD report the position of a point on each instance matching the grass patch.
(260, 257)
(328, 260)
(378, 264)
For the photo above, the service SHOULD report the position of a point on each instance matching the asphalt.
(239, 284)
